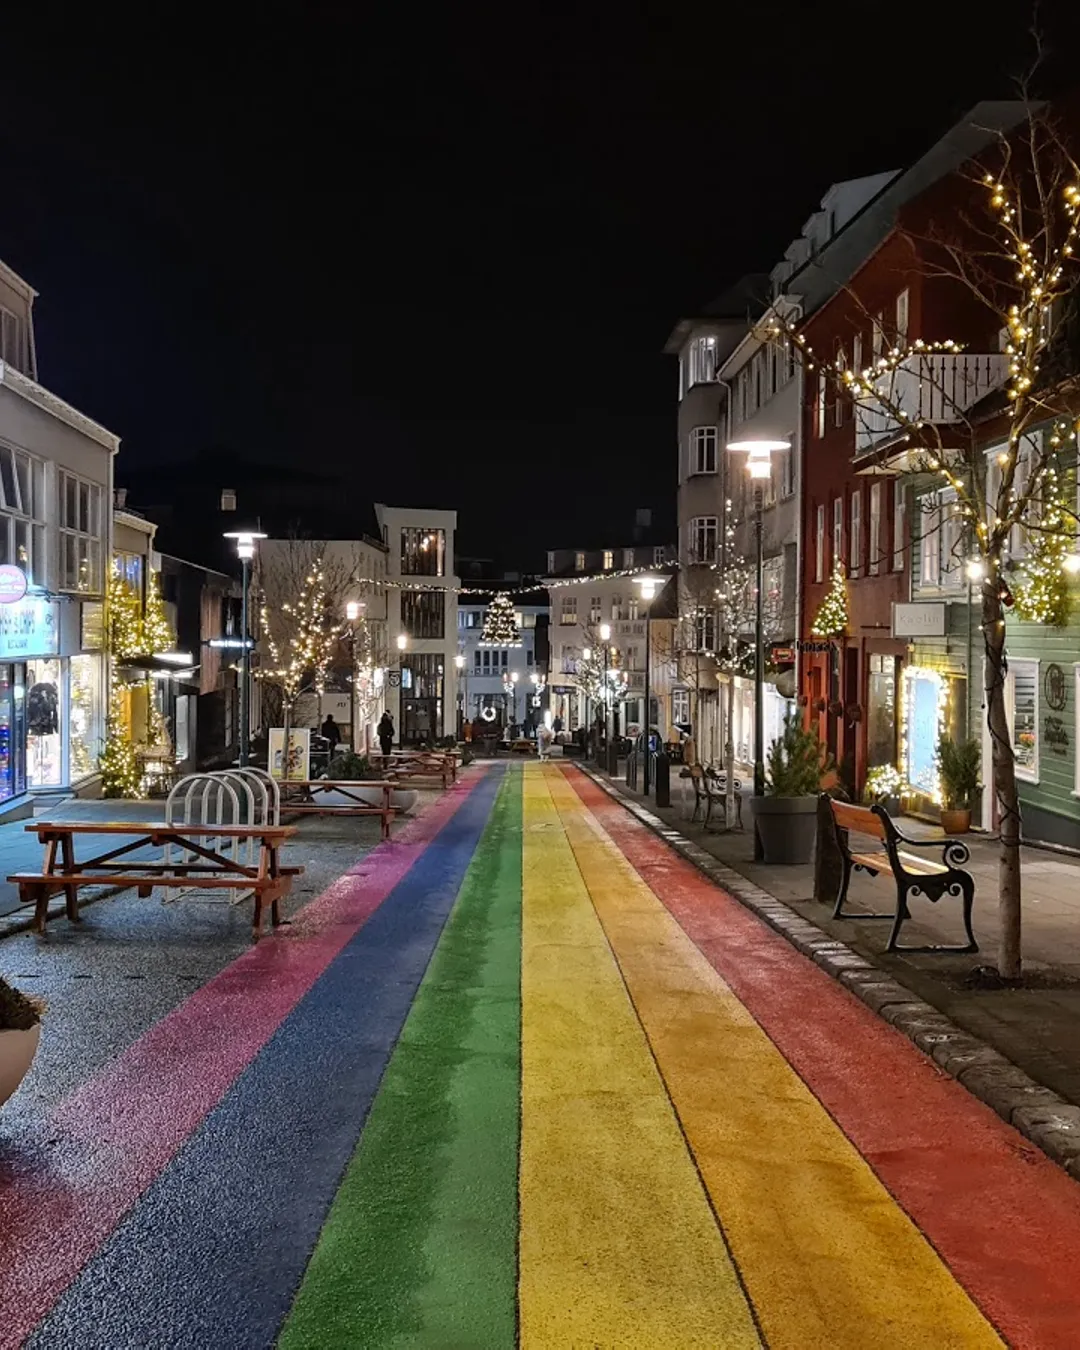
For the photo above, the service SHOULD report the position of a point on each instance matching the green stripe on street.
(420, 1244)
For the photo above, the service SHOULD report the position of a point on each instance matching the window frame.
(703, 440)
(92, 536)
(855, 536)
(609, 559)
(680, 702)
(25, 472)
(1024, 774)
(568, 611)
(700, 529)
(873, 561)
(819, 544)
(837, 531)
(899, 524)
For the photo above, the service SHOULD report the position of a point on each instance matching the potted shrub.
(958, 771)
(20, 1030)
(786, 817)
(349, 765)
(883, 785)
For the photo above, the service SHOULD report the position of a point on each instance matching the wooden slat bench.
(428, 768)
(298, 796)
(206, 869)
(913, 874)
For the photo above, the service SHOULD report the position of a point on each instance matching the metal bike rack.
(226, 796)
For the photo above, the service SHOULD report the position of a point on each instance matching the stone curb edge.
(11, 924)
(1046, 1119)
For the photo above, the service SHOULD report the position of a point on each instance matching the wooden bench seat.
(913, 874)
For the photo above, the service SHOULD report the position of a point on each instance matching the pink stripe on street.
(118, 1130)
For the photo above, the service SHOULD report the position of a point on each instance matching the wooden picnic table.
(298, 795)
(208, 868)
(409, 765)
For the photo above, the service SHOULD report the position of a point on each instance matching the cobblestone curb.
(1049, 1121)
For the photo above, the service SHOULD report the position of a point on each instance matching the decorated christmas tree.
(1043, 596)
(126, 631)
(119, 769)
(158, 635)
(500, 627)
(831, 619)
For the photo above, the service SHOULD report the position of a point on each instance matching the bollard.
(613, 758)
(662, 779)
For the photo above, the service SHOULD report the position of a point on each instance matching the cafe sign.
(29, 627)
(12, 584)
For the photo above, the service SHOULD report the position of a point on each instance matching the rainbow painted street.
(524, 1076)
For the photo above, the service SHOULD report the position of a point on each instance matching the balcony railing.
(938, 389)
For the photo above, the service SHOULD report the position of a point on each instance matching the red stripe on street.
(118, 1130)
(1004, 1218)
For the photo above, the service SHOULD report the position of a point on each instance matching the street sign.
(922, 619)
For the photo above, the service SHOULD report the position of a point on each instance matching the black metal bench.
(913, 874)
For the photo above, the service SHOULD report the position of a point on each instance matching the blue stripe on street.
(213, 1253)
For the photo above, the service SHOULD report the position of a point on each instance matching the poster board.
(299, 752)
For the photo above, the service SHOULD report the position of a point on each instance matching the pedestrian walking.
(329, 731)
(543, 741)
(385, 733)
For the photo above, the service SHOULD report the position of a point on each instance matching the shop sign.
(92, 626)
(12, 584)
(816, 646)
(918, 620)
(393, 679)
(1055, 736)
(783, 655)
(28, 628)
(1054, 688)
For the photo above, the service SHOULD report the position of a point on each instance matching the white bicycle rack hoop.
(225, 797)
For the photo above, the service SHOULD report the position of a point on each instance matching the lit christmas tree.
(500, 627)
(831, 619)
(125, 622)
(119, 769)
(1043, 596)
(158, 635)
(301, 640)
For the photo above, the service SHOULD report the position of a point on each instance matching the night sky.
(440, 261)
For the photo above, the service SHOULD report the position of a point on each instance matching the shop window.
(85, 732)
(423, 613)
(12, 731)
(881, 710)
(44, 716)
(1022, 708)
(80, 534)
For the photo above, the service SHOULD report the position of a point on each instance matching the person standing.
(329, 731)
(385, 733)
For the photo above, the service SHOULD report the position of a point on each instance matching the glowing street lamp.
(648, 585)
(245, 551)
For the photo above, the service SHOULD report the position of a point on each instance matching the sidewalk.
(1035, 1027)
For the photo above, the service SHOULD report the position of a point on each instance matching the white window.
(595, 609)
(899, 535)
(631, 658)
(930, 540)
(680, 707)
(628, 558)
(703, 539)
(609, 559)
(703, 450)
(1022, 708)
(786, 467)
(838, 398)
(703, 360)
(856, 533)
(837, 530)
(568, 609)
(22, 519)
(658, 556)
(579, 562)
(875, 529)
(952, 568)
(13, 340)
(856, 353)
(80, 534)
(632, 607)
(877, 337)
(819, 545)
(617, 614)
(819, 411)
(705, 631)
(903, 301)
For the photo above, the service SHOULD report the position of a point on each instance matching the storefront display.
(12, 731)
(44, 713)
(85, 731)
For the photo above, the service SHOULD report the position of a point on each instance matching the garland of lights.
(307, 646)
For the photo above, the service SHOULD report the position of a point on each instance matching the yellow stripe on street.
(828, 1257)
(618, 1244)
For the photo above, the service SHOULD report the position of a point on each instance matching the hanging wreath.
(488, 714)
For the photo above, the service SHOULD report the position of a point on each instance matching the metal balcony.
(938, 389)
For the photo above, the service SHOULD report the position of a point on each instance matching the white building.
(497, 684)
(56, 480)
(421, 605)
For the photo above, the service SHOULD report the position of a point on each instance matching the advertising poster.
(299, 753)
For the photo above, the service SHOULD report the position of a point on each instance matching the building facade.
(421, 617)
(56, 471)
(502, 686)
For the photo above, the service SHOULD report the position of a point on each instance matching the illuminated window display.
(85, 730)
(44, 718)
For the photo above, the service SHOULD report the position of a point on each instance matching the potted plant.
(786, 817)
(20, 1030)
(883, 785)
(351, 766)
(958, 772)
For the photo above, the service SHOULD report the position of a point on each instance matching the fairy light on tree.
(500, 624)
(1019, 262)
(1044, 596)
(831, 620)
(158, 635)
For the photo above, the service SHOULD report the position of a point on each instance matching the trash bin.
(662, 779)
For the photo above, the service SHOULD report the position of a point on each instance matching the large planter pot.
(786, 827)
(402, 799)
(956, 822)
(17, 1051)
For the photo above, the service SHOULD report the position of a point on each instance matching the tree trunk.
(1004, 784)
(287, 720)
(729, 757)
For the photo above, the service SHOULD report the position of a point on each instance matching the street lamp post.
(648, 585)
(759, 467)
(352, 613)
(245, 551)
(463, 689)
(605, 638)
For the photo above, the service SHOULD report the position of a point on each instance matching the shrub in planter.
(20, 1029)
(958, 770)
(348, 765)
(786, 817)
